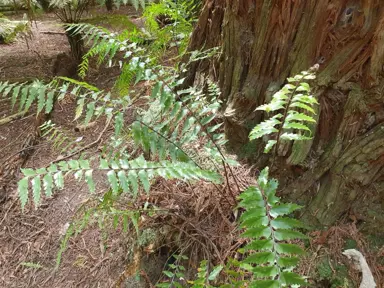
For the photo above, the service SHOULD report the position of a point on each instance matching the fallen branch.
(13, 117)
(81, 128)
(52, 33)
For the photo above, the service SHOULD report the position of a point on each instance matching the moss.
(115, 21)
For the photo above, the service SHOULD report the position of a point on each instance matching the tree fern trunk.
(266, 41)
(77, 45)
(109, 5)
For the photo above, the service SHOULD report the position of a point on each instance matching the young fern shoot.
(294, 106)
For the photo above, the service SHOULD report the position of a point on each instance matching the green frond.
(9, 29)
(266, 225)
(25, 94)
(176, 123)
(105, 45)
(59, 138)
(177, 33)
(123, 175)
(135, 3)
(294, 106)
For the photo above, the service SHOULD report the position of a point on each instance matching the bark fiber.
(264, 42)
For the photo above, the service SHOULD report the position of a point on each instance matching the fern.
(186, 120)
(271, 259)
(175, 125)
(294, 106)
(204, 277)
(28, 93)
(46, 94)
(176, 274)
(59, 138)
(9, 29)
(98, 210)
(123, 175)
(135, 3)
(175, 34)
(105, 45)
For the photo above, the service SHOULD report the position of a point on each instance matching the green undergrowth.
(9, 29)
(333, 274)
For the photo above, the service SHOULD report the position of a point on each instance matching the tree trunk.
(44, 5)
(109, 5)
(264, 42)
(77, 45)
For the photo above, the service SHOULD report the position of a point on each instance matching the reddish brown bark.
(266, 41)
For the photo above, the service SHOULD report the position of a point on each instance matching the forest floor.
(30, 239)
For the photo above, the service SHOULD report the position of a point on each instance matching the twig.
(22, 150)
(229, 186)
(10, 118)
(52, 33)
(90, 145)
(98, 264)
(146, 277)
(6, 213)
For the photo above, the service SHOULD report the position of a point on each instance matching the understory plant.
(135, 3)
(270, 255)
(292, 108)
(9, 29)
(176, 135)
(170, 23)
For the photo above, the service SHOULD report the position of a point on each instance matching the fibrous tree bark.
(71, 14)
(265, 41)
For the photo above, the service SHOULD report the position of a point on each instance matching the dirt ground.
(30, 240)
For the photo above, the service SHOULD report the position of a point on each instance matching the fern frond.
(271, 257)
(104, 44)
(60, 139)
(28, 93)
(177, 122)
(123, 175)
(9, 29)
(173, 35)
(296, 106)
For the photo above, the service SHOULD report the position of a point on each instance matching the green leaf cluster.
(9, 29)
(178, 16)
(25, 94)
(292, 108)
(176, 122)
(176, 275)
(123, 176)
(269, 255)
(135, 3)
(59, 137)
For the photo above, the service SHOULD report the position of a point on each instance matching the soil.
(30, 239)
